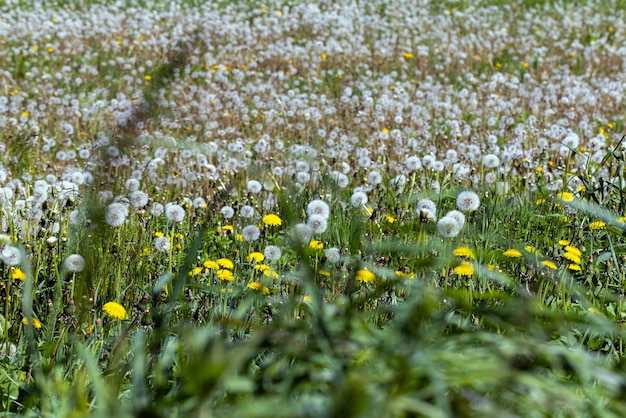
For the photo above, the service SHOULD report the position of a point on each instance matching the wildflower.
(332, 255)
(116, 214)
(572, 257)
(317, 223)
(464, 252)
(427, 209)
(34, 321)
(75, 263)
(157, 209)
(458, 216)
(464, 269)
(405, 274)
(17, 273)
(11, 256)
(512, 253)
(114, 310)
(256, 256)
(572, 249)
(358, 199)
(227, 212)
(491, 161)
(261, 267)
(301, 234)
(307, 299)
(622, 219)
(254, 186)
(317, 245)
(255, 285)
(413, 163)
(574, 267)
(272, 253)
(324, 273)
(226, 263)
(597, 225)
(390, 219)
(246, 211)
(174, 212)
(211, 265)
(318, 207)
(272, 220)
(251, 233)
(226, 275)
(196, 271)
(467, 201)
(565, 196)
(448, 227)
(549, 264)
(162, 244)
(530, 249)
(138, 198)
(564, 242)
(365, 276)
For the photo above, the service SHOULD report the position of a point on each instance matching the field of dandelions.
(312, 209)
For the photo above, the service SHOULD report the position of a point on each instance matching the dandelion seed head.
(75, 263)
(467, 201)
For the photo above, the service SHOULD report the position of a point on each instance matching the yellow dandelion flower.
(574, 267)
(159, 234)
(408, 55)
(34, 321)
(540, 201)
(597, 225)
(390, 219)
(316, 245)
(324, 273)
(261, 267)
(405, 274)
(565, 196)
(549, 264)
(270, 272)
(254, 286)
(18, 274)
(572, 257)
(114, 310)
(530, 249)
(572, 249)
(226, 275)
(228, 228)
(306, 299)
(622, 219)
(211, 265)
(464, 252)
(464, 269)
(256, 256)
(564, 242)
(196, 271)
(365, 276)
(272, 220)
(512, 253)
(226, 263)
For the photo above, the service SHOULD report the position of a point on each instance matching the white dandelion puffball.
(332, 254)
(272, 253)
(427, 209)
(318, 207)
(458, 216)
(301, 234)
(358, 199)
(162, 244)
(138, 199)
(448, 227)
(174, 212)
(467, 201)
(75, 263)
(116, 214)
(11, 256)
(227, 212)
(246, 211)
(254, 186)
(317, 223)
(157, 209)
(251, 233)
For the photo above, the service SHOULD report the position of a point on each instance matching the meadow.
(320, 209)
